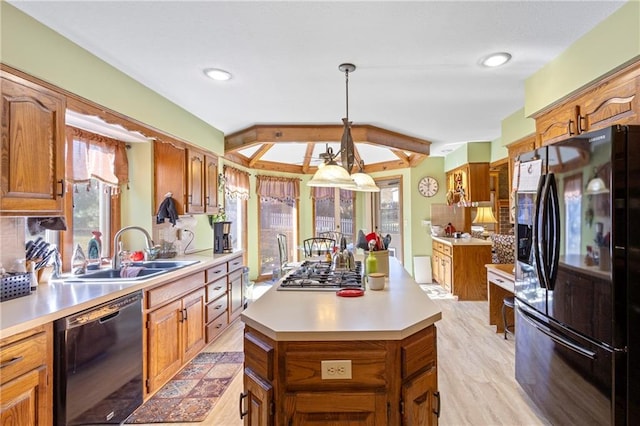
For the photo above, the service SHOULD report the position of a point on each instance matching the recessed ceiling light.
(495, 59)
(217, 74)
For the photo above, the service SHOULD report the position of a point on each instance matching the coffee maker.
(222, 237)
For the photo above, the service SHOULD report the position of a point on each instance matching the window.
(387, 213)
(236, 194)
(278, 207)
(330, 216)
(91, 213)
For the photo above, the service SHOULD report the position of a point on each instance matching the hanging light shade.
(332, 175)
(596, 186)
(364, 182)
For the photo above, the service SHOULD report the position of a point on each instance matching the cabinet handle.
(581, 128)
(242, 396)
(571, 132)
(61, 182)
(11, 362)
(219, 325)
(185, 314)
(218, 307)
(437, 410)
(217, 288)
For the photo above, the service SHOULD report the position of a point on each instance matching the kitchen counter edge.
(56, 299)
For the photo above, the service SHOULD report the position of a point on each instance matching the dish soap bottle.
(372, 262)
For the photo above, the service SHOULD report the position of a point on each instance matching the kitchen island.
(314, 357)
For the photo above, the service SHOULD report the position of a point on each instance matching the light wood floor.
(475, 373)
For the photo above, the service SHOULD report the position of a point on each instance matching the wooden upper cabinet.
(211, 184)
(558, 124)
(33, 141)
(195, 181)
(169, 169)
(613, 100)
(472, 179)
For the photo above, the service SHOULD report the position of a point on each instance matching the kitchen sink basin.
(150, 269)
(166, 264)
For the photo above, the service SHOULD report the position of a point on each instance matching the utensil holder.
(15, 285)
(382, 257)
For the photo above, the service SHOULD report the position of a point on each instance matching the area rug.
(435, 291)
(193, 392)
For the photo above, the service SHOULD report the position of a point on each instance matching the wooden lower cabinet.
(26, 382)
(459, 268)
(175, 334)
(392, 382)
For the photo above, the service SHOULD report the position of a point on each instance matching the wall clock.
(428, 186)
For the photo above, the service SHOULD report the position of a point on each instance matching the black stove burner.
(319, 276)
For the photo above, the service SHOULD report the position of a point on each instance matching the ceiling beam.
(259, 153)
(273, 133)
(306, 161)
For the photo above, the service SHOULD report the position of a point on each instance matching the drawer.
(448, 250)
(236, 275)
(217, 326)
(437, 245)
(216, 272)
(303, 369)
(24, 355)
(418, 352)
(216, 308)
(258, 355)
(235, 263)
(500, 281)
(165, 293)
(216, 289)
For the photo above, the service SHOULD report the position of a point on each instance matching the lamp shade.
(484, 215)
(332, 176)
(364, 182)
(596, 186)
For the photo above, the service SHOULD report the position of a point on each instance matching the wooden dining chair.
(318, 246)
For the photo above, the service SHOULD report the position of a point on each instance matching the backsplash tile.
(11, 240)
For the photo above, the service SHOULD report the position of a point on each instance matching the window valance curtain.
(279, 188)
(95, 156)
(236, 183)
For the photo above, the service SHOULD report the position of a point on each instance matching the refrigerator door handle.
(556, 337)
(536, 236)
(554, 227)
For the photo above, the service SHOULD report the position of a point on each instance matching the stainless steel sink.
(150, 269)
(166, 264)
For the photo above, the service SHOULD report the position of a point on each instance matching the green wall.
(472, 152)
(609, 45)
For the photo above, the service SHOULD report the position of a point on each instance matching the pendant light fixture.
(328, 174)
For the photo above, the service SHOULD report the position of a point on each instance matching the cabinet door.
(24, 400)
(164, 350)
(33, 143)
(211, 184)
(516, 148)
(447, 274)
(169, 163)
(613, 102)
(195, 181)
(435, 267)
(259, 400)
(235, 295)
(557, 124)
(193, 324)
(420, 400)
(334, 408)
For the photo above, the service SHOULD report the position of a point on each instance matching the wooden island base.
(392, 382)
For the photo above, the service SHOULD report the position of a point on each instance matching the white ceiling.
(417, 62)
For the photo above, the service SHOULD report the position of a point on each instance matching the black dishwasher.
(98, 363)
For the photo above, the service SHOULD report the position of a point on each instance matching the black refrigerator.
(577, 277)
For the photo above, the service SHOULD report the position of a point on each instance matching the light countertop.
(398, 311)
(462, 241)
(57, 299)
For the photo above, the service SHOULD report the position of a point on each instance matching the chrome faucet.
(115, 261)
